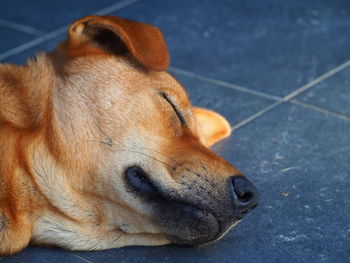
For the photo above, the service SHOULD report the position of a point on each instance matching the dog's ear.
(212, 126)
(114, 35)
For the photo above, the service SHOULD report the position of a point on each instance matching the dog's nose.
(244, 194)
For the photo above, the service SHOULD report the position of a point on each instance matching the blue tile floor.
(280, 72)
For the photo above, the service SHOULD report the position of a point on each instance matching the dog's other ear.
(114, 35)
(212, 126)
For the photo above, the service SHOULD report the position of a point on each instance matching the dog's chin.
(188, 225)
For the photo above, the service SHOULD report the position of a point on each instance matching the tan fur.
(71, 125)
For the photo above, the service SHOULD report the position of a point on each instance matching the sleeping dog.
(101, 148)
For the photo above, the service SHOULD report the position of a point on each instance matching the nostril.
(139, 180)
(244, 195)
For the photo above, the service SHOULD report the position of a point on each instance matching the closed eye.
(178, 113)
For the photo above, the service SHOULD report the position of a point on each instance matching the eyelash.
(179, 115)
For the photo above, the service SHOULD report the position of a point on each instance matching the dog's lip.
(199, 241)
(221, 229)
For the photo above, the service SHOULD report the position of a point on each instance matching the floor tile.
(40, 255)
(23, 56)
(332, 94)
(49, 15)
(300, 161)
(11, 38)
(234, 105)
(272, 46)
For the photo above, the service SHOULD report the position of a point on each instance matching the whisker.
(151, 157)
(177, 162)
(107, 142)
(161, 154)
(110, 143)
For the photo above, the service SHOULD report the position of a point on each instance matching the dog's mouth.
(187, 224)
(184, 223)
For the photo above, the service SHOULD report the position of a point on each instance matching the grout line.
(32, 43)
(320, 109)
(296, 93)
(82, 258)
(256, 115)
(279, 100)
(61, 30)
(224, 84)
(316, 81)
(20, 27)
(115, 7)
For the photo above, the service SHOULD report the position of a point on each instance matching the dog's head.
(123, 141)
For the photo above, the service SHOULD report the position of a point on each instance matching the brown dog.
(100, 148)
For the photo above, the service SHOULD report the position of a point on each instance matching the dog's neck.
(22, 104)
(36, 128)
(24, 97)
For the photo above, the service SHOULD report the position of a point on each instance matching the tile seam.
(22, 28)
(224, 84)
(60, 30)
(316, 81)
(256, 115)
(293, 94)
(320, 109)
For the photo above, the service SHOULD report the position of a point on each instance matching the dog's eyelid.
(178, 113)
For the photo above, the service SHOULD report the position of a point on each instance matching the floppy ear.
(114, 35)
(212, 126)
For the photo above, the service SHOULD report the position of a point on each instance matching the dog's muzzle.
(192, 223)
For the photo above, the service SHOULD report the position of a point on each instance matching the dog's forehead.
(120, 75)
(165, 83)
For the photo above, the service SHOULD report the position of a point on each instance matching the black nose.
(244, 194)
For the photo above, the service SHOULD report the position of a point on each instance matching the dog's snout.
(244, 194)
(139, 180)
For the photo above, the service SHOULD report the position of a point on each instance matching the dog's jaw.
(50, 230)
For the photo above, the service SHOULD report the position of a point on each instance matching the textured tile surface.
(300, 159)
(41, 255)
(272, 46)
(46, 46)
(234, 105)
(332, 94)
(49, 15)
(11, 38)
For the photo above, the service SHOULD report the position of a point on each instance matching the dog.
(100, 148)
